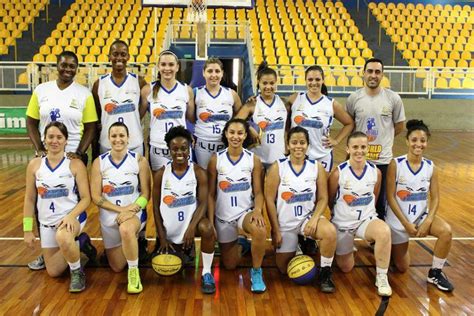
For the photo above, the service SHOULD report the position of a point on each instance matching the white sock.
(438, 263)
(326, 262)
(132, 263)
(207, 262)
(382, 271)
(75, 265)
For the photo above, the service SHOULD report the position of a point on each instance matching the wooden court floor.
(24, 292)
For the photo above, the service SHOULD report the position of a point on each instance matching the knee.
(446, 233)
(402, 267)
(229, 264)
(282, 268)
(205, 229)
(127, 232)
(329, 233)
(383, 234)
(258, 233)
(54, 273)
(115, 267)
(346, 268)
(64, 239)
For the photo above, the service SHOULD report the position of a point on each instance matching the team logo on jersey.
(372, 130)
(174, 200)
(267, 125)
(410, 195)
(306, 121)
(54, 114)
(115, 107)
(163, 112)
(47, 192)
(355, 199)
(293, 196)
(230, 185)
(117, 189)
(210, 116)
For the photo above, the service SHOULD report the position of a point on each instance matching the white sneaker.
(383, 288)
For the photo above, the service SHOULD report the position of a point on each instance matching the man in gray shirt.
(379, 113)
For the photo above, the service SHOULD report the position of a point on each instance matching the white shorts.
(345, 236)
(158, 157)
(139, 150)
(229, 231)
(204, 150)
(289, 238)
(48, 232)
(399, 236)
(326, 161)
(110, 228)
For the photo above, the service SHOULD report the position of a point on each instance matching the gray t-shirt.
(376, 116)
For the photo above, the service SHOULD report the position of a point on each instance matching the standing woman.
(215, 105)
(171, 103)
(59, 188)
(117, 99)
(120, 186)
(353, 189)
(269, 113)
(315, 111)
(299, 187)
(236, 199)
(411, 181)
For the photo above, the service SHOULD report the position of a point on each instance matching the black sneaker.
(86, 247)
(208, 285)
(308, 246)
(438, 278)
(325, 280)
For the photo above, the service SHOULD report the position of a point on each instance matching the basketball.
(166, 264)
(301, 269)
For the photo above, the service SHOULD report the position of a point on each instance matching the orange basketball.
(370, 138)
(402, 194)
(109, 107)
(286, 196)
(262, 124)
(42, 191)
(204, 116)
(224, 185)
(298, 119)
(107, 188)
(349, 198)
(157, 112)
(168, 199)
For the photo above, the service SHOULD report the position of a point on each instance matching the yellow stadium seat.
(454, 83)
(343, 81)
(441, 83)
(90, 58)
(357, 82)
(23, 78)
(51, 58)
(330, 81)
(385, 82)
(103, 58)
(468, 83)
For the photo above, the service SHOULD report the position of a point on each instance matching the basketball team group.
(271, 154)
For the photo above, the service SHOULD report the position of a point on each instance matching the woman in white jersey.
(59, 188)
(236, 199)
(315, 111)
(117, 99)
(412, 181)
(120, 186)
(171, 103)
(215, 105)
(353, 189)
(268, 113)
(180, 195)
(296, 197)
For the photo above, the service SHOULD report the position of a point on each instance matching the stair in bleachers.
(371, 35)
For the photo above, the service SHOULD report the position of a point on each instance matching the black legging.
(381, 201)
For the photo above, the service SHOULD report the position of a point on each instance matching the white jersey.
(57, 191)
(234, 185)
(178, 202)
(120, 182)
(166, 111)
(411, 191)
(296, 193)
(317, 117)
(271, 119)
(355, 198)
(212, 113)
(120, 103)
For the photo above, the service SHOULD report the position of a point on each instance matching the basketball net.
(197, 14)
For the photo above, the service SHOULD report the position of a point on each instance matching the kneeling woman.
(299, 187)
(353, 189)
(180, 202)
(411, 179)
(120, 186)
(236, 199)
(59, 188)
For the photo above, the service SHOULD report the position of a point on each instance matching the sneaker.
(37, 264)
(383, 288)
(86, 246)
(438, 278)
(245, 244)
(208, 285)
(326, 283)
(78, 281)
(134, 283)
(256, 277)
(142, 249)
(307, 245)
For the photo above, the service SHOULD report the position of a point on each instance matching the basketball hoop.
(197, 11)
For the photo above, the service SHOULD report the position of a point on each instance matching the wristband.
(141, 201)
(27, 224)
